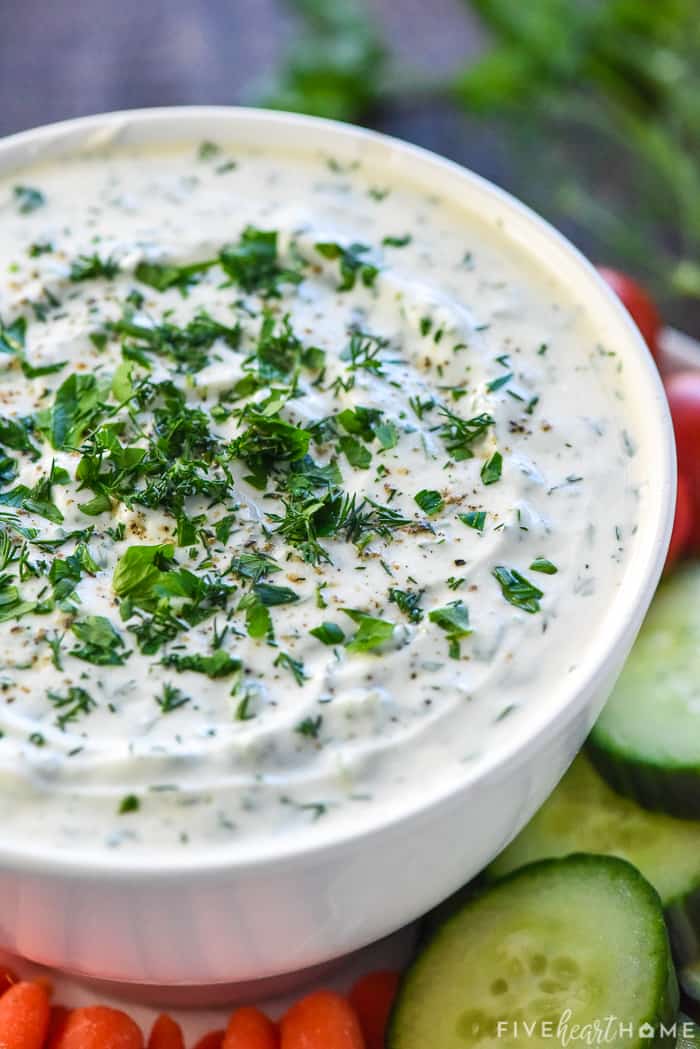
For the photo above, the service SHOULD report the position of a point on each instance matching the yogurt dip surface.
(313, 486)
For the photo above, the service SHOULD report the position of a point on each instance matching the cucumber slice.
(585, 934)
(585, 814)
(646, 743)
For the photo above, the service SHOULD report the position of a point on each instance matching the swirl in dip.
(312, 487)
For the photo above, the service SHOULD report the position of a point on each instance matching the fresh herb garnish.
(371, 632)
(474, 519)
(93, 267)
(100, 642)
(76, 703)
(430, 501)
(541, 564)
(518, 590)
(458, 435)
(28, 199)
(409, 602)
(454, 620)
(352, 263)
(217, 665)
(492, 469)
(310, 727)
(171, 698)
(294, 666)
(328, 634)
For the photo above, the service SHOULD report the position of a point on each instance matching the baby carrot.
(248, 1028)
(166, 1034)
(212, 1040)
(24, 1017)
(372, 998)
(323, 1020)
(98, 1027)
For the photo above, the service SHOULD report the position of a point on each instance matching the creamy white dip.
(329, 512)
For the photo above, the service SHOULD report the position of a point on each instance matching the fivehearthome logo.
(606, 1030)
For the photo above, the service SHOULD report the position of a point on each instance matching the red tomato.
(683, 390)
(682, 524)
(637, 303)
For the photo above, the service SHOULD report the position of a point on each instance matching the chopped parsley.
(430, 501)
(454, 620)
(100, 642)
(294, 666)
(310, 727)
(328, 634)
(217, 665)
(492, 469)
(474, 519)
(371, 633)
(518, 590)
(28, 199)
(353, 263)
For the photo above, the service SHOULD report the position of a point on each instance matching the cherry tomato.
(683, 390)
(637, 303)
(682, 523)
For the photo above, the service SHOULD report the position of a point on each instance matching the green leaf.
(218, 664)
(28, 199)
(397, 242)
(13, 336)
(328, 634)
(253, 263)
(93, 267)
(270, 594)
(387, 434)
(430, 501)
(77, 406)
(518, 590)
(129, 803)
(254, 565)
(37, 500)
(352, 264)
(101, 643)
(163, 276)
(310, 727)
(14, 433)
(356, 453)
(371, 632)
(492, 469)
(257, 616)
(454, 620)
(474, 519)
(541, 564)
(139, 570)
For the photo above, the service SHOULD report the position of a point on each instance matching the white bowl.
(205, 921)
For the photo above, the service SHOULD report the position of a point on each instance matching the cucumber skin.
(668, 1003)
(675, 791)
